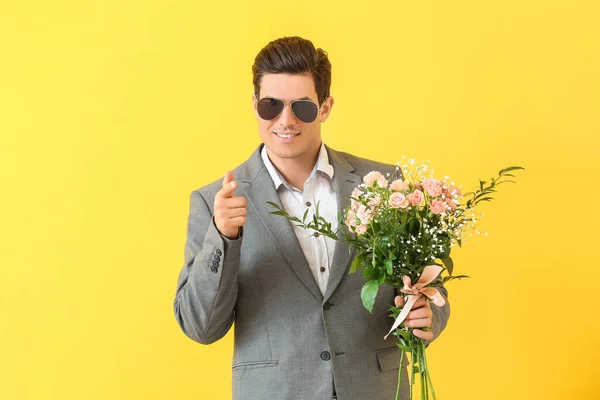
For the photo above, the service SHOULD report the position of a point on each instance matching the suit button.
(327, 305)
(218, 252)
(214, 269)
(325, 356)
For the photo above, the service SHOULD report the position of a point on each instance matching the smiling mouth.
(286, 135)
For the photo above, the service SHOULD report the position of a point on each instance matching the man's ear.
(326, 108)
(254, 99)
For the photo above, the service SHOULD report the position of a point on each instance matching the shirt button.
(317, 234)
(322, 269)
(325, 356)
(308, 204)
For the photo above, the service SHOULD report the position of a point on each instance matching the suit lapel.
(344, 182)
(259, 189)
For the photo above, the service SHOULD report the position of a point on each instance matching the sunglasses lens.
(269, 108)
(305, 111)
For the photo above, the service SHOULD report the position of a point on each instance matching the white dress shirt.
(318, 189)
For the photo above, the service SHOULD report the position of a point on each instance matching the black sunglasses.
(270, 108)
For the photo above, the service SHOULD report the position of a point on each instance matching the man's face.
(275, 133)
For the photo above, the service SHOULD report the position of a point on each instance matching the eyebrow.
(300, 98)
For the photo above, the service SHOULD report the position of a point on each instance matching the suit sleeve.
(440, 315)
(207, 287)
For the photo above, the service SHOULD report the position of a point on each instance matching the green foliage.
(369, 293)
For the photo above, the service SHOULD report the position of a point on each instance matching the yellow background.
(112, 112)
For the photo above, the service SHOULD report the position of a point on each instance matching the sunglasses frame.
(291, 108)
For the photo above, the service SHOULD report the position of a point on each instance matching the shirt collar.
(322, 165)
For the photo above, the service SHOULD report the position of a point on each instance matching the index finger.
(229, 186)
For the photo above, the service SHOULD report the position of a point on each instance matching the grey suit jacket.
(291, 342)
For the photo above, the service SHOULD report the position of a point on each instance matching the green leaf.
(514, 168)
(389, 267)
(449, 278)
(368, 294)
(274, 205)
(406, 349)
(371, 273)
(448, 263)
(403, 333)
(356, 264)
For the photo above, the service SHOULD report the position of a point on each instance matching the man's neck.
(296, 170)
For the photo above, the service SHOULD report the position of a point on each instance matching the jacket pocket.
(254, 364)
(389, 359)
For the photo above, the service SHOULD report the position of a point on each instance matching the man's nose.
(287, 117)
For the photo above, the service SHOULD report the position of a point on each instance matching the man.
(301, 331)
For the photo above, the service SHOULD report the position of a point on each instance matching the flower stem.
(399, 374)
(429, 383)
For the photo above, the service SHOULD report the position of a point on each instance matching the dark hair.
(293, 55)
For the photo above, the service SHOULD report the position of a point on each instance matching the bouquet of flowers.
(404, 227)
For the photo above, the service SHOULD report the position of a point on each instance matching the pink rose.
(399, 185)
(382, 182)
(438, 206)
(354, 203)
(451, 204)
(415, 197)
(350, 219)
(453, 191)
(360, 229)
(398, 200)
(371, 177)
(364, 214)
(432, 186)
(374, 202)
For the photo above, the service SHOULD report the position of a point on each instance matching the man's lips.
(287, 135)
